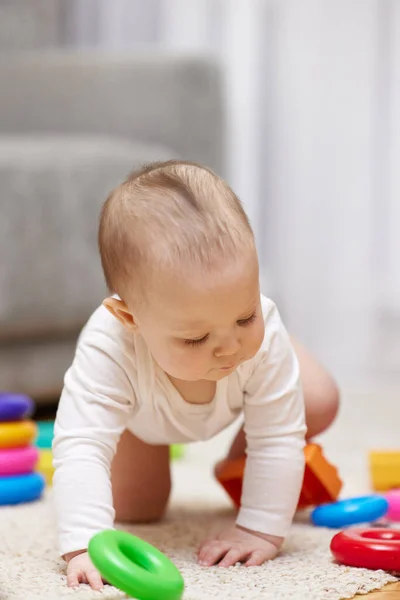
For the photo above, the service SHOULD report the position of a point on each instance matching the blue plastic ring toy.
(16, 489)
(363, 509)
(14, 407)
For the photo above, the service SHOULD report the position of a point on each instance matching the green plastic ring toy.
(135, 566)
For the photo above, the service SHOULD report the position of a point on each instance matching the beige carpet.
(31, 570)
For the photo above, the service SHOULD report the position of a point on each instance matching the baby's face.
(201, 327)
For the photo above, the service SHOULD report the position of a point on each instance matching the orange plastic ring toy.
(17, 434)
(376, 548)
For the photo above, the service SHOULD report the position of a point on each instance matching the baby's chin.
(214, 375)
(218, 374)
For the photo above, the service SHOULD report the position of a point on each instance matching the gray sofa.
(71, 127)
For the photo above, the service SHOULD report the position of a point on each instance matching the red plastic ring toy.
(376, 548)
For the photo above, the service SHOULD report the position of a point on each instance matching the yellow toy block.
(45, 465)
(385, 469)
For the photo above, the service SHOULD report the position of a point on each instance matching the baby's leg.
(140, 477)
(321, 394)
(321, 398)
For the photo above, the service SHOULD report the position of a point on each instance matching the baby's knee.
(322, 405)
(142, 509)
(331, 402)
(133, 517)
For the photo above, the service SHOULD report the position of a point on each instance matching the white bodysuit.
(114, 384)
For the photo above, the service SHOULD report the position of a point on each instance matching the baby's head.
(178, 249)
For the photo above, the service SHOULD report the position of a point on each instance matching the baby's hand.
(80, 569)
(238, 544)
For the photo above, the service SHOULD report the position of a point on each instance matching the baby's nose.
(229, 347)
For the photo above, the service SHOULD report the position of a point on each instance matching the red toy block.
(321, 482)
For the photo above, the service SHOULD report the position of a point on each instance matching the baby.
(184, 346)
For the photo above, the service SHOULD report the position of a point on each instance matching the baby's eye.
(248, 321)
(196, 342)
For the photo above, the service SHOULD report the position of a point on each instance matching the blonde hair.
(168, 214)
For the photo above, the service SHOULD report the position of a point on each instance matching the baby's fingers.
(212, 552)
(79, 575)
(205, 543)
(94, 579)
(258, 557)
(233, 556)
(74, 578)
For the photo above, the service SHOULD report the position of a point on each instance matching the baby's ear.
(120, 311)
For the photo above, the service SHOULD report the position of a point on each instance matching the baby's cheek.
(192, 362)
(181, 362)
(164, 356)
(179, 359)
(173, 358)
(186, 359)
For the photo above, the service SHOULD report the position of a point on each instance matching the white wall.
(386, 332)
(319, 149)
(313, 103)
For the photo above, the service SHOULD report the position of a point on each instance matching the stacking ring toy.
(15, 406)
(393, 497)
(368, 548)
(135, 567)
(18, 460)
(17, 434)
(20, 488)
(364, 509)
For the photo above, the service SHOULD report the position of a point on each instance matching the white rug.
(31, 570)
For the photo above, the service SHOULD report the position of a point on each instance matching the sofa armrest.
(172, 100)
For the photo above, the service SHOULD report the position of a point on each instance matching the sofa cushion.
(51, 192)
(27, 25)
(36, 367)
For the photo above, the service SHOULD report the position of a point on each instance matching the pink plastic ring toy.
(393, 498)
(18, 461)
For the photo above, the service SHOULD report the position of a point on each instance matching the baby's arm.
(275, 428)
(275, 432)
(95, 404)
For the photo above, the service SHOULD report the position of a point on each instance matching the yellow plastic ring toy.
(17, 434)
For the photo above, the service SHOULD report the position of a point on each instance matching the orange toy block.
(321, 482)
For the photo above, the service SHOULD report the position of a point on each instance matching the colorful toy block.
(176, 451)
(44, 441)
(384, 469)
(321, 482)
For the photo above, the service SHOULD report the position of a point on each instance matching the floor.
(390, 592)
